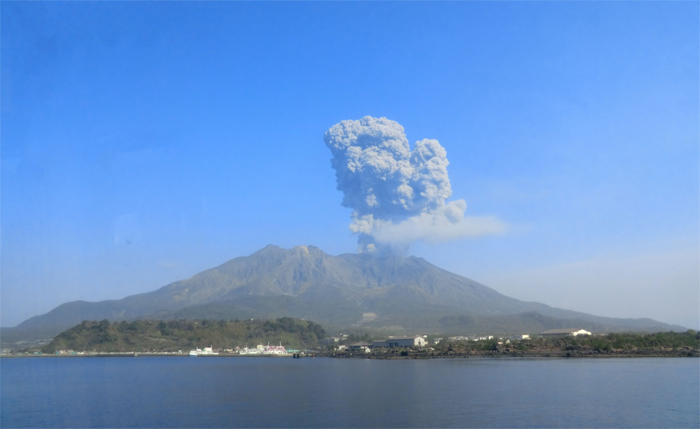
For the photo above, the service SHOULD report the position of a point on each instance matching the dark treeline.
(174, 335)
(665, 344)
(601, 343)
(689, 338)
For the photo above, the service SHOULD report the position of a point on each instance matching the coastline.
(395, 354)
(685, 352)
(137, 354)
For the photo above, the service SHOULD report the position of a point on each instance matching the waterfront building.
(329, 341)
(392, 342)
(359, 347)
(561, 333)
(519, 337)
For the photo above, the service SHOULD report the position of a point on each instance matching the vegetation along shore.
(663, 344)
(241, 337)
(173, 336)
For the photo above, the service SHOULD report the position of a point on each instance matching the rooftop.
(562, 331)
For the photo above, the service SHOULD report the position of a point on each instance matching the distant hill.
(396, 294)
(175, 335)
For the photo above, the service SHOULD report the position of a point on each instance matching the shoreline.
(414, 355)
(139, 354)
(495, 354)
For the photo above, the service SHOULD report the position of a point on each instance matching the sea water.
(323, 392)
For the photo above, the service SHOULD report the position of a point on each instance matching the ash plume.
(398, 195)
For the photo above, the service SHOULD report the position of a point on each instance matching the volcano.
(393, 293)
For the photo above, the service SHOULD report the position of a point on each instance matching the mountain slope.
(305, 282)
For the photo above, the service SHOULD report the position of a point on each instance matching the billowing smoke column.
(397, 195)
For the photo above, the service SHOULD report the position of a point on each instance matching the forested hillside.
(174, 335)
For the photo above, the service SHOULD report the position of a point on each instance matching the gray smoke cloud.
(398, 196)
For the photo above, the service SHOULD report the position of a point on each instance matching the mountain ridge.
(404, 292)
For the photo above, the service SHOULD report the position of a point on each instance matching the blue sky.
(145, 142)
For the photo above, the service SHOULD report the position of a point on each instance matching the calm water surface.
(283, 392)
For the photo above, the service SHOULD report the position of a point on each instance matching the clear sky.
(145, 142)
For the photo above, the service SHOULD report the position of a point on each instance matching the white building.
(458, 338)
(416, 341)
(365, 347)
(561, 333)
(519, 337)
(208, 351)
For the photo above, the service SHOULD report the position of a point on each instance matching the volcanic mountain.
(393, 294)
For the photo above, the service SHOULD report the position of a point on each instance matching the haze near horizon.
(145, 142)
